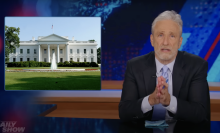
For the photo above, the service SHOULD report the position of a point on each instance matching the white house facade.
(64, 49)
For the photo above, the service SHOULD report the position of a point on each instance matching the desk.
(96, 104)
(86, 125)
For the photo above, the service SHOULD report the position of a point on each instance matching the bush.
(71, 62)
(93, 64)
(33, 64)
(44, 64)
(76, 64)
(25, 64)
(87, 64)
(18, 64)
(66, 64)
(60, 64)
(47, 64)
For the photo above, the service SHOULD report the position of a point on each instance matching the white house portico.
(63, 48)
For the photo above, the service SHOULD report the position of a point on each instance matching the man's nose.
(165, 40)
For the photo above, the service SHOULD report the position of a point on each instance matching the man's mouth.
(165, 50)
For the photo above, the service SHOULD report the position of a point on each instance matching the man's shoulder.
(190, 58)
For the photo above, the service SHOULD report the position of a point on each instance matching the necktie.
(165, 72)
(159, 111)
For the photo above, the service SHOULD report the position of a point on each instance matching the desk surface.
(101, 93)
(85, 125)
(101, 104)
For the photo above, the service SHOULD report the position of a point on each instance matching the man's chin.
(165, 57)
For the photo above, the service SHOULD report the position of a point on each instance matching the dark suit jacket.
(190, 87)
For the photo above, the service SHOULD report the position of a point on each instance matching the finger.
(158, 87)
(159, 80)
(162, 78)
(165, 85)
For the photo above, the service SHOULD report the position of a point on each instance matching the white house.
(64, 49)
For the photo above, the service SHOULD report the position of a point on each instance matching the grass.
(53, 80)
(11, 68)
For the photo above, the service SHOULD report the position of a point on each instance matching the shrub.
(25, 64)
(66, 64)
(60, 64)
(47, 64)
(87, 64)
(33, 64)
(71, 61)
(93, 64)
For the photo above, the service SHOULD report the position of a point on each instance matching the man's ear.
(180, 42)
(151, 40)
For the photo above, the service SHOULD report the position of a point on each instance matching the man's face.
(166, 40)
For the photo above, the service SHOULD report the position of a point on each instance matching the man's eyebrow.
(160, 32)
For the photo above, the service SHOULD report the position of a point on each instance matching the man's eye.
(172, 36)
(160, 35)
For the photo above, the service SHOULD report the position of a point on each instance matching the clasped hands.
(160, 94)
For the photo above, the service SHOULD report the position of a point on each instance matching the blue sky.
(82, 28)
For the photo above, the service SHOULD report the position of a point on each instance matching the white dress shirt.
(145, 105)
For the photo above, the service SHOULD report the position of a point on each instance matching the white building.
(64, 49)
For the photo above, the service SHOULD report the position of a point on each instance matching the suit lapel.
(178, 74)
(149, 73)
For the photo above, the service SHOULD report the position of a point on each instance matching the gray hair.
(172, 15)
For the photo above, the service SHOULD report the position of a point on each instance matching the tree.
(99, 55)
(11, 40)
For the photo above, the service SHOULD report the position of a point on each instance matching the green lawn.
(10, 68)
(53, 80)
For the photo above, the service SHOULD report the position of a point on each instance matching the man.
(166, 83)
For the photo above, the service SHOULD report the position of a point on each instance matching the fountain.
(53, 63)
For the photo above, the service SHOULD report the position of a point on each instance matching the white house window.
(28, 51)
(52, 50)
(45, 59)
(61, 51)
(28, 59)
(84, 59)
(77, 51)
(77, 59)
(84, 51)
(91, 51)
(21, 59)
(71, 51)
(35, 59)
(71, 59)
(91, 59)
(14, 59)
(35, 51)
(45, 51)
(21, 51)
(61, 59)
(14, 51)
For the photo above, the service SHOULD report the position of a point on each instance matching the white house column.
(48, 53)
(95, 54)
(58, 49)
(67, 52)
(39, 53)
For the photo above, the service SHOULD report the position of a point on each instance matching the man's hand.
(163, 91)
(160, 94)
(154, 98)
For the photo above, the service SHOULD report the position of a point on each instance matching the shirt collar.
(160, 65)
